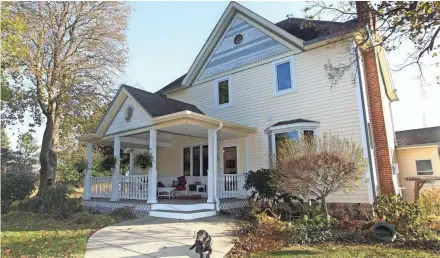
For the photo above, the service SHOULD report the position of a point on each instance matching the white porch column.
(152, 175)
(247, 155)
(115, 175)
(212, 159)
(88, 175)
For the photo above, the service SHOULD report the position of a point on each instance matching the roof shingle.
(159, 105)
(419, 136)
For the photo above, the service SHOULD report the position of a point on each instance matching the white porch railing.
(231, 185)
(130, 187)
(133, 187)
(101, 187)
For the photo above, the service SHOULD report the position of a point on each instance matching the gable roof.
(157, 104)
(312, 31)
(421, 136)
(305, 31)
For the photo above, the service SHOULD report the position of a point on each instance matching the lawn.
(347, 251)
(26, 234)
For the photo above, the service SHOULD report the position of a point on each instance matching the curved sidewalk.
(159, 237)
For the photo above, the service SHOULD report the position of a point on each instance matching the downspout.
(217, 200)
(370, 163)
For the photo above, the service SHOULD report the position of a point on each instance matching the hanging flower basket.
(144, 159)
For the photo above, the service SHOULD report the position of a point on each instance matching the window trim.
(275, 64)
(432, 167)
(300, 127)
(191, 146)
(216, 92)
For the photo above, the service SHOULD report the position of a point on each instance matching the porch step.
(182, 207)
(184, 215)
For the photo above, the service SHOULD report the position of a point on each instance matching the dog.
(203, 243)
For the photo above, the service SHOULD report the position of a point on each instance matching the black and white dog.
(203, 243)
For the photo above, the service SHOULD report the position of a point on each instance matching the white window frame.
(200, 145)
(275, 64)
(432, 167)
(300, 127)
(216, 92)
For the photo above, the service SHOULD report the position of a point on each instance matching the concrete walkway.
(158, 237)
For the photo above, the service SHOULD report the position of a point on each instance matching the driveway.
(158, 237)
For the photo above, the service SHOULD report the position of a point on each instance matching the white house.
(252, 83)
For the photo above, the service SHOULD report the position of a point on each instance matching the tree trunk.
(324, 208)
(48, 158)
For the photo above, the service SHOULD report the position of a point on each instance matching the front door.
(230, 160)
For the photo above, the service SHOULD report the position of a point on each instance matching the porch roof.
(185, 123)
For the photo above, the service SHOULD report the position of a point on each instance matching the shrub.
(309, 230)
(406, 217)
(56, 201)
(123, 214)
(429, 202)
(16, 186)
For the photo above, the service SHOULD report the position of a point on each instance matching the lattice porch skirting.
(235, 206)
(139, 210)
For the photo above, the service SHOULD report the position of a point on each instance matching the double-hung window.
(195, 160)
(223, 92)
(283, 76)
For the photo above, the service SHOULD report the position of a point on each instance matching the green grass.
(26, 234)
(347, 251)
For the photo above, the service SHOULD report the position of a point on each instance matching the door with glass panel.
(230, 170)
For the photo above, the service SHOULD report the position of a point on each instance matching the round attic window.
(238, 39)
(129, 113)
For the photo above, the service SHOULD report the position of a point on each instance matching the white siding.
(139, 119)
(254, 104)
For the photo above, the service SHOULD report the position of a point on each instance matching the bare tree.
(317, 167)
(70, 55)
(385, 25)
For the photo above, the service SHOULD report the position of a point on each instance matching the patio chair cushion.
(182, 184)
(160, 184)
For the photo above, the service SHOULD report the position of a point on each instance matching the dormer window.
(223, 92)
(283, 76)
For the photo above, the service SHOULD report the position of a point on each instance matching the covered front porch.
(211, 155)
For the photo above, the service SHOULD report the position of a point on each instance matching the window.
(195, 160)
(279, 134)
(205, 160)
(187, 161)
(223, 92)
(424, 167)
(283, 76)
(284, 81)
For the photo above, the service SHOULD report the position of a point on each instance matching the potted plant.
(80, 165)
(108, 163)
(144, 159)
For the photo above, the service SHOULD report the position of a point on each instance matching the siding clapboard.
(253, 103)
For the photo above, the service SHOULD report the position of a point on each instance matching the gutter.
(370, 163)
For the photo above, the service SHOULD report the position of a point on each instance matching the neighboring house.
(253, 83)
(418, 153)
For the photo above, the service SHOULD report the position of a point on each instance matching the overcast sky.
(165, 37)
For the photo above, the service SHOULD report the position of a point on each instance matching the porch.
(183, 145)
